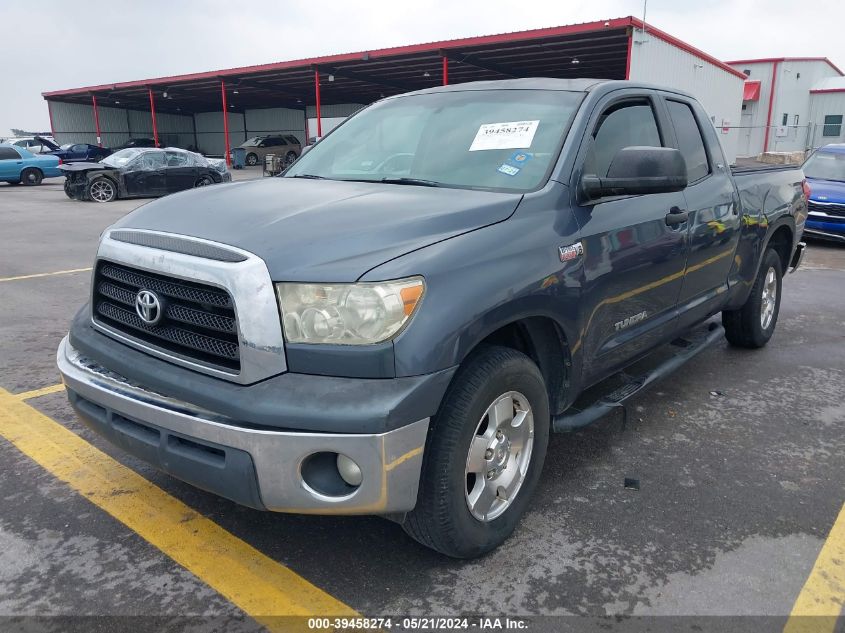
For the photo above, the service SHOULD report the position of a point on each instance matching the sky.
(57, 44)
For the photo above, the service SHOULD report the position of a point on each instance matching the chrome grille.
(199, 321)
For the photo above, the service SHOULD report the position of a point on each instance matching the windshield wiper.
(411, 181)
(312, 176)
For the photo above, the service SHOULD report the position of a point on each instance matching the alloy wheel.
(499, 456)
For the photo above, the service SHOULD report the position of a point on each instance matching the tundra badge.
(631, 320)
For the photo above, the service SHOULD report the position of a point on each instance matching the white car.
(31, 144)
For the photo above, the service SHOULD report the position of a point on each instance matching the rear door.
(713, 208)
(181, 172)
(78, 152)
(10, 163)
(633, 261)
(145, 176)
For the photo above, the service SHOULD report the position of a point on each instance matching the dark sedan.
(76, 152)
(137, 173)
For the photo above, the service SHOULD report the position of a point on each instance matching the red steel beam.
(225, 122)
(317, 95)
(628, 58)
(771, 105)
(96, 120)
(445, 71)
(153, 115)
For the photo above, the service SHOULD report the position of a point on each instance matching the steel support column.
(317, 95)
(225, 123)
(50, 114)
(96, 120)
(445, 70)
(153, 115)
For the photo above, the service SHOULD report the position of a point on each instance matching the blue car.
(75, 152)
(825, 172)
(18, 165)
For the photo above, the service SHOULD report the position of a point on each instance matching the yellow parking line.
(36, 275)
(255, 583)
(822, 599)
(36, 393)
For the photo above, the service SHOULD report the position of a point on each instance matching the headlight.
(347, 314)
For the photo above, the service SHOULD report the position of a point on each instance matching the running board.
(690, 347)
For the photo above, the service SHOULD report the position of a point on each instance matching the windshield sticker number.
(510, 135)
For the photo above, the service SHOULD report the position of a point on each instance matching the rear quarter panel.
(769, 198)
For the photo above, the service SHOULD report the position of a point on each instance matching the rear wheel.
(289, 158)
(753, 324)
(203, 182)
(252, 159)
(102, 190)
(484, 455)
(31, 176)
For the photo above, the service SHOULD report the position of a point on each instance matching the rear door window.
(689, 138)
(626, 124)
(7, 153)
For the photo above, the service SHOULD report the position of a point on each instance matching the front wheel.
(753, 324)
(31, 176)
(484, 455)
(67, 189)
(102, 190)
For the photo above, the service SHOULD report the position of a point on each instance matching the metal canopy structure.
(594, 49)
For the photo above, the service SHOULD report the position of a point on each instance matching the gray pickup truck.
(396, 324)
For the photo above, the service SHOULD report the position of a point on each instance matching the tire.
(31, 177)
(67, 189)
(101, 190)
(753, 324)
(204, 181)
(443, 519)
(252, 159)
(290, 157)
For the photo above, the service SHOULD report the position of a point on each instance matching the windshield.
(826, 166)
(489, 139)
(120, 158)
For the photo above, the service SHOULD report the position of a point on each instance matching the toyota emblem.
(148, 306)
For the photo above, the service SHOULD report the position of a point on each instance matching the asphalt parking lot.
(740, 460)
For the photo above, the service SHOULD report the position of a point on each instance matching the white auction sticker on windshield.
(509, 135)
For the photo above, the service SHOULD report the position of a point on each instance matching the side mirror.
(636, 171)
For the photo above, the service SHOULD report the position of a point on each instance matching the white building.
(804, 110)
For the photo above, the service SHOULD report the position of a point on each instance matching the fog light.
(349, 470)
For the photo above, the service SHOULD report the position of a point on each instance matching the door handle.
(676, 216)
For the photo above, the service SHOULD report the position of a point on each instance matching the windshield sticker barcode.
(509, 135)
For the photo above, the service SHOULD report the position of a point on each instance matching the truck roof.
(546, 83)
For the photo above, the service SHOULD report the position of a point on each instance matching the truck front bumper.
(257, 466)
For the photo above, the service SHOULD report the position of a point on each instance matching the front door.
(145, 176)
(633, 259)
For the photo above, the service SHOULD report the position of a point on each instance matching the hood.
(48, 143)
(83, 166)
(323, 230)
(827, 191)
